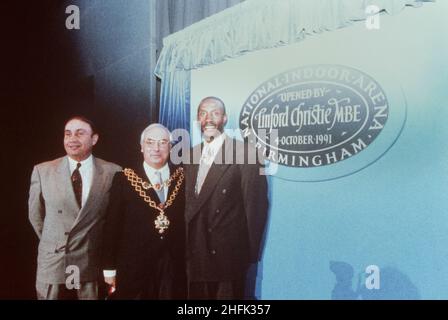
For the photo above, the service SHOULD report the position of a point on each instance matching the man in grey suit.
(67, 202)
(226, 210)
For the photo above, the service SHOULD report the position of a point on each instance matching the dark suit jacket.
(226, 222)
(149, 265)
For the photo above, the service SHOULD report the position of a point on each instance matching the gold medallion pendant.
(161, 222)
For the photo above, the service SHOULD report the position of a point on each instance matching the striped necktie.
(77, 184)
(161, 191)
(204, 166)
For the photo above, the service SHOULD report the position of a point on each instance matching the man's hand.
(110, 281)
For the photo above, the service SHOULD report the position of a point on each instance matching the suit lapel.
(173, 183)
(65, 183)
(94, 193)
(150, 192)
(211, 180)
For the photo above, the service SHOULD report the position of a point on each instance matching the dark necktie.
(77, 184)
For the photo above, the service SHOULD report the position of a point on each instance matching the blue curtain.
(175, 100)
(173, 16)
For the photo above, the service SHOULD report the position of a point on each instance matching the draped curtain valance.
(260, 24)
(248, 26)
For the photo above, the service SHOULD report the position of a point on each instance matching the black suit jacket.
(226, 222)
(149, 264)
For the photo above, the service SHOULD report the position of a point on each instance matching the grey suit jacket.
(68, 236)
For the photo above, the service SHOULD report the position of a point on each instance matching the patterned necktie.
(77, 184)
(161, 191)
(204, 166)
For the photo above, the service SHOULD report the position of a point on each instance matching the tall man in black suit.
(226, 210)
(144, 244)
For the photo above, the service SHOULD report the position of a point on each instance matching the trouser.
(217, 290)
(48, 291)
(159, 281)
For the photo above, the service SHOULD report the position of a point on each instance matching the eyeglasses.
(153, 143)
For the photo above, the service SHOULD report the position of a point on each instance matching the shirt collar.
(86, 163)
(150, 171)
(216, 144)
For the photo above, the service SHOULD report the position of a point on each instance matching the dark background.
(103, 71)
(53, 73)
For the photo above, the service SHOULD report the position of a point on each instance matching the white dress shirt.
(86, 171)
(209, 152)
(214, 146)
(151, 175)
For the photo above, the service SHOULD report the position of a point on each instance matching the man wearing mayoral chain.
(144, 233)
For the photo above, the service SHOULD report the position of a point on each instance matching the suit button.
(209, 230)
(213, 252)
(218, 211)
(66, 233)
(59, 211)
(161, 237)
(224, 191)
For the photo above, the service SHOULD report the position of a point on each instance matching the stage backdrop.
(361, 192)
